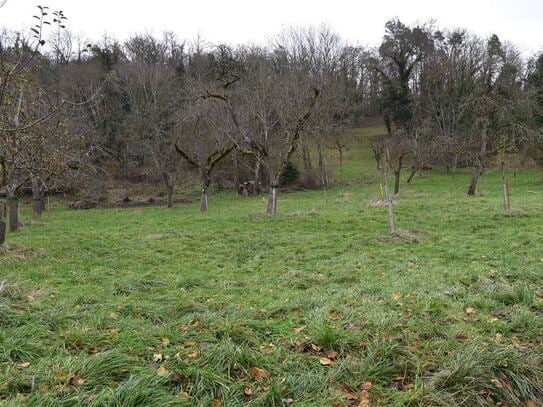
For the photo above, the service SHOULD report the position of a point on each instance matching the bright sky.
(235, 21)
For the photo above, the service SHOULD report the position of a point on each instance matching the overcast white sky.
(235, 21)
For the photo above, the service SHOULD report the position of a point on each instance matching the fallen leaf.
(42, 388)
(331, 354)
(216, 403)
(348, 395)
(326, 362)
(365, 386)
(62, 376)
(335, 316)
(268, 349)
(248, 391)
(157, 357)
(299, 329)
(23, 365)
(193, 355)
(496, 383)
(161, 371)
(165, 341)
(258, 374)
(315, 347)
(193, 324)
(364, 399)
(77, 380)
(183, 395)
(470, 310)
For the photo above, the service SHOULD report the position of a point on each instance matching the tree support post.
(272, 198)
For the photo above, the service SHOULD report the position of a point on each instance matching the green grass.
(157, 307)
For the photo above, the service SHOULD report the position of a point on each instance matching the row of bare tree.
(69, 109)
(451, 99)
(165, 102)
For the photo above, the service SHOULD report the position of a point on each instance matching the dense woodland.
(249, 118)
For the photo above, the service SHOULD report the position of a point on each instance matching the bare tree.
(19, 60)
(493, 103)
(206, 134)
(152, 86)
(270, 109)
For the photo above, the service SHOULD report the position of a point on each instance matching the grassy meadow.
(316, 306)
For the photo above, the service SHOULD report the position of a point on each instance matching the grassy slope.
(98, 293)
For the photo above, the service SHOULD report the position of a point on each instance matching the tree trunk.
(388, 196)
(377, 155)
(43, 201)
(308, 167)
(236, 174)
(272, 198)
(3, 217)
(397, 173)
(169, 188)
(507, 194)
(13, 203)
(323, 171)
(203, 196)
(203, 200)
(474, 179)
(169, 193)
(413, 172)
(340, 161)
(390, 213)
(479, 167)
(36, 199)
(257, 178)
